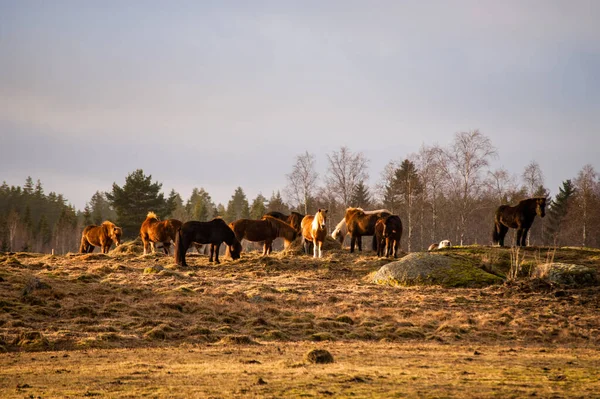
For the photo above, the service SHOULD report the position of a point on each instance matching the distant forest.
(439, 193)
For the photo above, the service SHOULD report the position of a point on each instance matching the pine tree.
(276, 204)
(557, 210)
(87, 215)
(361, 197)
(135, 199)
(237, 208)
(258, 207)
(200, 206)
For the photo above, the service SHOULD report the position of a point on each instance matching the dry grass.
(205, 315)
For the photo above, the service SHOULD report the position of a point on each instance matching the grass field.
(126, 325)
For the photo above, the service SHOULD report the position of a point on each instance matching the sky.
(221, 94)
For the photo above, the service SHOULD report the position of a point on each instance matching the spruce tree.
(557, 210)
(276, 204)
(135, 199)
(237, 208)
(361, 197)
(258, 207)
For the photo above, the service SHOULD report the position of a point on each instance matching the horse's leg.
(166, 246)
(212, 252)
(502, 234)
(217, 248)
(396, 246)
(519, 235)
(524, 237)
(153, 247)
(388, 247)
(352, 243)
(359, 243)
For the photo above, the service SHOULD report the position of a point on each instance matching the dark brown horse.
(153, 231)
(518, 217)
(388, 232)
(214, 233)
(101, 236)
(294, 219)
(360, 223)
(267, 229)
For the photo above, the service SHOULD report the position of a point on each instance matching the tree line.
(439, 192)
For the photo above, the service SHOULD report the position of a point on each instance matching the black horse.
(518, 217)
(214, 233)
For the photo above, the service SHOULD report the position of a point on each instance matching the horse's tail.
(496, 233)
(83, 246)
(179, 248)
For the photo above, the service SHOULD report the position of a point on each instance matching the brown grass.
(207, 316)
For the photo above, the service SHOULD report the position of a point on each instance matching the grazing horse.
(267, 229)
(314, 230)
(153, 231)
(214, 233)
(101, 236)
(388, 232)
(294, 219)
(518, 217)
(360, 223)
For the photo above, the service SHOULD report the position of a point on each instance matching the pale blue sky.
(225, 94)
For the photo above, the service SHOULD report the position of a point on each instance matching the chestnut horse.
(359, 223)
(267, 229)
(314, 230)
(101, 236)
(294, 219)
(214, 233)
(388, 232)
(518, 217)
(153, 231)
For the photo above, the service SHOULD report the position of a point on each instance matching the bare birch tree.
(533, 178)
(346, 169)
(500, 183)
(586, 184)
(463, 164)
(301, 182)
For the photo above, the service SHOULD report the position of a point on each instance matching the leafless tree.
(384, 187)
(463, 164)
(500, 183)
(427, 161)
(586, 184)
(533, 178)
(346, 169)
(301, 182)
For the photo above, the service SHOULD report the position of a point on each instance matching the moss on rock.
(448, 270)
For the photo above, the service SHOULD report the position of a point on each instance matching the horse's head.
(337, 234)
(321, 218)
(540, 207)
(116, 234)
(235, 249)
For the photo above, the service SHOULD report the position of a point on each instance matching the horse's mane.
(376, 211)
(151, 215)
(108, 223)
(528, 201)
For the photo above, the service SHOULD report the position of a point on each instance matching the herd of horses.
(385, 228)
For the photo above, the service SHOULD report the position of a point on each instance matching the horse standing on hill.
(267, 229)
(101, 236)
(359, 223)
(154, 230)
(388, 232)
(214, 233)
(518, 217)
(314, 230)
